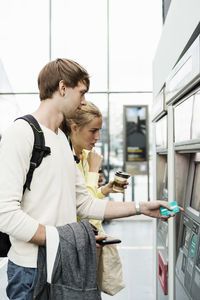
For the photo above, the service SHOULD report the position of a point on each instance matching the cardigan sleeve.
(88, 206)
(91, 181)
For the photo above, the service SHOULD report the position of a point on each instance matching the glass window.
(135, 27)
(9, 111)
(24, 37)
(116, 142)
(79, 32)
(116, 118)
(13, 106)
(27, 103)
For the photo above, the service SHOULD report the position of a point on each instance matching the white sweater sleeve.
(87, 205)
(15, 153)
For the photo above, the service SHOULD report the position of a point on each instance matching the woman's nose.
(97, 136)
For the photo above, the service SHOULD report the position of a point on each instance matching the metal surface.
(161, 178)
(161, 132)
(183, 120)
(180, 292)
(171, 198)
(185, 74)
(159, 108)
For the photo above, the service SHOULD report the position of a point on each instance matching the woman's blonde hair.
(83, 116)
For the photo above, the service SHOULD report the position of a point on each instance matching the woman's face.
(87, 136)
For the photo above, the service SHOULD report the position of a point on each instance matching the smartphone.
(108, 241)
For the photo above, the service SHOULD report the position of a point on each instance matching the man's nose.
(83, 101)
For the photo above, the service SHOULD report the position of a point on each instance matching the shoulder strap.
(39, 148)
(76, 158)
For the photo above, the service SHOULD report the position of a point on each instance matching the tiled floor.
(136, 252)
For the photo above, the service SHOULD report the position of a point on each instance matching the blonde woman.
(84, 131)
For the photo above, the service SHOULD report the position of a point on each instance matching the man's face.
(74, 99)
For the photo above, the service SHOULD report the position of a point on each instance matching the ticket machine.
(183, 95)
(187, 266)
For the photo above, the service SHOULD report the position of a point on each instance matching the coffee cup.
(120, 180)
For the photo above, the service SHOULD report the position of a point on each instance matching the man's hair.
(61, 69)
(82, 117)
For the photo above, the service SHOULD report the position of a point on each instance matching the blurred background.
(114, 40)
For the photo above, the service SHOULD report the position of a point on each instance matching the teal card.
(165, 212)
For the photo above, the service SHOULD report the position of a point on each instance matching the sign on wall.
(135, 138)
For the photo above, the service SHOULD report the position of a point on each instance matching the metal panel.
(183, 120)
(159, 108)
(185, 74)
(161, 132)
(161, 178)
(187, 125)
(171, 198)
(174, 39)
(195, 127)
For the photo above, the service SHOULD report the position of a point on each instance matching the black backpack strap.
(39, 149)
(76, 158)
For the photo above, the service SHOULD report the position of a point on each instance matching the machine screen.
(195, 199)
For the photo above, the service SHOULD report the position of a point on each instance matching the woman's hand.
(94, 161)
(100, 238)
(108, 188)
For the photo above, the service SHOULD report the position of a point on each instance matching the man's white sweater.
(58, 193)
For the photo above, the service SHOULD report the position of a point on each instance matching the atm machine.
(160, 164)
(183, 96)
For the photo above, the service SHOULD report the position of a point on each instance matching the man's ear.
(62, 88)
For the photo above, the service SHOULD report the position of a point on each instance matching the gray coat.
(74, 274)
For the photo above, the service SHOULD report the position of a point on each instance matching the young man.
(58, 193)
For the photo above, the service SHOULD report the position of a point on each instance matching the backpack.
(39, 152)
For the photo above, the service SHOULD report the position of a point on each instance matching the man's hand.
(152, 209)
(116, 210)
(39, 237)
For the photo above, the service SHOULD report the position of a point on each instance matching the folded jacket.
(74, 275)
